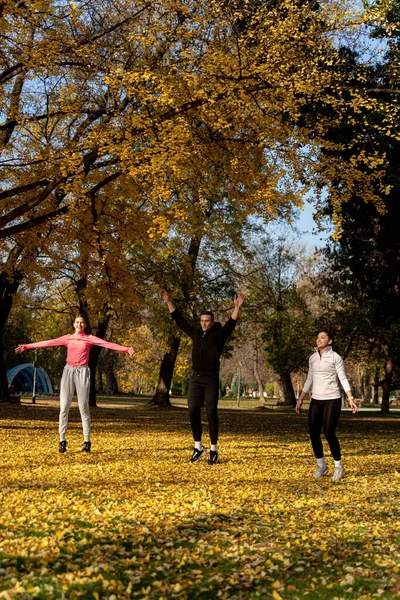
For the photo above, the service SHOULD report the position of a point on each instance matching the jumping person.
(208, 343)
(326, 369)
(76, 374)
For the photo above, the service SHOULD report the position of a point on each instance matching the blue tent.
(21, 377)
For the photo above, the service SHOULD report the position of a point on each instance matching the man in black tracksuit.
(208, 343)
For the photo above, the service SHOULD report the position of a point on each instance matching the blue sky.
(308, 229)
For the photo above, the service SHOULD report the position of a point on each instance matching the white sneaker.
(338, 473)
(320, 472)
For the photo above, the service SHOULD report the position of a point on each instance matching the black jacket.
(207, 345)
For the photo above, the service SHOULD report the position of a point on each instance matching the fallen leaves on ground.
(134, 519)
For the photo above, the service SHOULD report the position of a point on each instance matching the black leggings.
(204, 389)
(324, 413)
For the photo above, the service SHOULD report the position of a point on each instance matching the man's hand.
(19, 349)
(164, 296)
(131, 351)
(238, 300)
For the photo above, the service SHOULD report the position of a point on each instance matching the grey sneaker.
(338, 473)
(320, 472)
(197, 455)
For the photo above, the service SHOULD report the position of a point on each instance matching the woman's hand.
(353, 406)
(19, 349)
(131, 351)
(299, 404)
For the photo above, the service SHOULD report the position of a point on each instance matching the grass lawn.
(134, 519)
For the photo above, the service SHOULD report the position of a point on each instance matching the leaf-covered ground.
(135, 520)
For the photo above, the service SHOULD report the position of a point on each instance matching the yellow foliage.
(162, 97)
(134, 519)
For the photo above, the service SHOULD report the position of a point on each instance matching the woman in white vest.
(326, 370)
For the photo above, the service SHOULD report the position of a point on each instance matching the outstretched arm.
(167, 300)
(96, 341)
(45, 344)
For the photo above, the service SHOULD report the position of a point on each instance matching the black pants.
(324, 414)
(204, 389)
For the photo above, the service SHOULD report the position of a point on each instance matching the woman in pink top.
(76, 374)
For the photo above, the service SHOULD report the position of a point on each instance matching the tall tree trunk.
(257, 373)
(375, 385)
(111, 383)
(100, 331)
(387, 385)
(9, 285)
(361, 377)
(161, 395)
(100, 388)
(287, 388)
(111, 380)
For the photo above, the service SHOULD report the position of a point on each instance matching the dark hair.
(328, 333)
(207, 312)
(81, 315)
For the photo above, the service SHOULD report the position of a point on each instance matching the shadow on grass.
(209, 552)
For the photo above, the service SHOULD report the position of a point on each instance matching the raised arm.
(237, 301)
(61, 341)
(167, 300)
(96, 341)
(177, 315)
(229, 326)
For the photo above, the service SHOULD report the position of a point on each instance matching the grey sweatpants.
(75, 378)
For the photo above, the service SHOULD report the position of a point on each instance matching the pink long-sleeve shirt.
(78, 347)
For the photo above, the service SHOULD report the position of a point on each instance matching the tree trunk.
(258, 378)
(100, 388)
(161, 396)
(361, 377)
(287, 388)
(367, 387)
(100, 332)
(111, 383)
(8, 289)
(4, 391)
(111, 380)
(375, 385)
(387, 385)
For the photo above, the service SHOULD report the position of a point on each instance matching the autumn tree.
(156, 96)
(271, 273)
(363, 268)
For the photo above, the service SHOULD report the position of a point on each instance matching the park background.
(174, 145)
